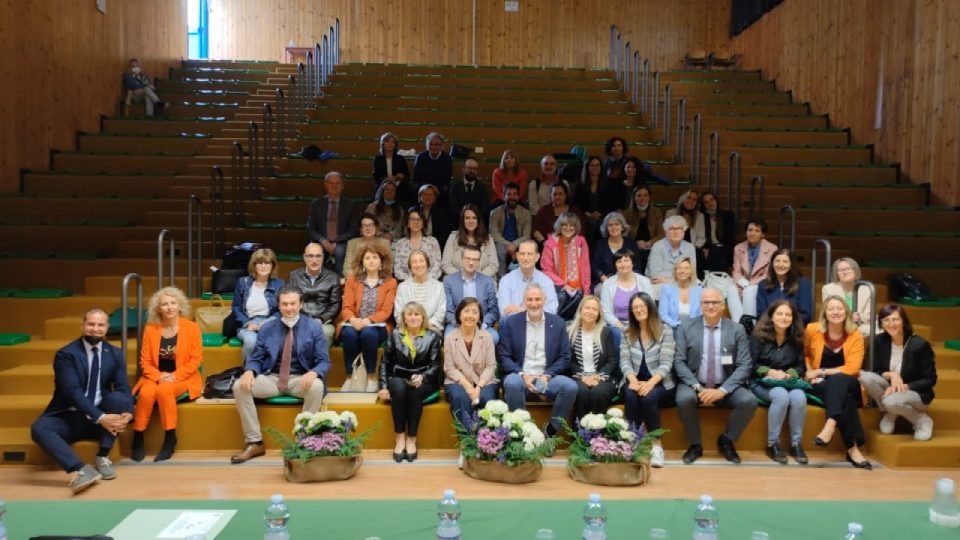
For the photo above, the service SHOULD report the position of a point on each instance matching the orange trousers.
(164, 394)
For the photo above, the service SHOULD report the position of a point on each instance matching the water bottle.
(594, 519)
(3, 528)
(854, 531)
(448, 517)
(943, 508)
(275, 519)
(706, 520)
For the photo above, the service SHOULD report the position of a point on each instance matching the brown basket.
(493, 471)
(612, 474)
(321, 469)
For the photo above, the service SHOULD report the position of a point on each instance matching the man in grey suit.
(712, 364)
(333, 220)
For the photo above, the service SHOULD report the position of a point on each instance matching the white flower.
(348, 417)
(327, 416)
(497, 406)
(506, 419)
(628, 436)
(528, 445)
(522, 415)
(528, 428)
(619, 422)
(302, 418)
(485, 414)
(593, 421)
(514, 434)
(615, 413)
(493, 422)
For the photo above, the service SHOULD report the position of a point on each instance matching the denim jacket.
(240, 298)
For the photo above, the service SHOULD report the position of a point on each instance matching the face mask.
(93, 340)
(135, 70)
(711, 212)
(389, 202)
(291, 322)
(643, 207)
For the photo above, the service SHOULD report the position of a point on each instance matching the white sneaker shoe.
(656, 457)
(923, 428)
(345, 387)
(372, 387)
(460, 462)
(887, 423)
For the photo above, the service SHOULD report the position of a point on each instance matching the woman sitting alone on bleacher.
(408, 374)
(845, 274)
(415, 239)
(904, 374)
(424, 290)
(566, 261)
(509, 171)
(471, 232)
(170, 361)
(646, 223)
(667, 251)
(391, 167)
(469, 362)
(388, 211)
(255, 298)
(646, 361)
(595, 353)
(833, 348)
(784, 282)
(367, 310)
(751, 265)
(680, 299)
(776, 347)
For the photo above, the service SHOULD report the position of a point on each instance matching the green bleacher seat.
(13, 338)
(49, 292)
(284, 400)
(213, 340)
(235, 342)
(209, 296)
(952, 344)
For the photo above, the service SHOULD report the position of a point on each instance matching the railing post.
(194, 211)
(125, 316)
(318, 72)
(696, 148)
(667, 102)
(301, 93)
(793, 226)
(164, 235)
(635, 94)
(626, 67)
(733, 183)
(758, 208)
(216, 212)
(828, 252)
(681, 129)
(279, 140)
(333, 47)
(613, 41)
(291, 108)
(237, 162)
(619, 54)
(713, 161)
(253, 143)
(336, 42)
(309, 78)
(655, 101)
(873, 313)
(645, 87)
(326, 60)
(268, 127)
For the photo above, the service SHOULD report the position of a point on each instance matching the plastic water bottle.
(448, 517)
(594, 519)
(3, 528)
(854, 531)
(275, 519)
(943, 508)
(706, 520)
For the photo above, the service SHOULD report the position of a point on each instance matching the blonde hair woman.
(594, 358)
(509, 171)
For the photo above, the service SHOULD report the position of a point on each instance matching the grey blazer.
(498, 218)
(733, 341)
(659, 357)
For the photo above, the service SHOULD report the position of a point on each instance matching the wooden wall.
(62, 62)
(843, 55)
(561, 33)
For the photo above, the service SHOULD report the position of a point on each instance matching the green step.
(952, 301)
(912, 264)
(45, 292)
(13, 338)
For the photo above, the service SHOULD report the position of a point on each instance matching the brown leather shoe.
(250, 451)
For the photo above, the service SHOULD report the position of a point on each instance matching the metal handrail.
(757, 210)
(619, 50)
(645, 87)
(238, 191)
(268, 150)
(253, 143)
(793, 226)
(125, 317)
(667, 99)
(194, 210)
(734, 180)
(336, 42)
(299, 84)
(873, 311)
(828, 251)
(333, 54)
(291, 109)
(165, 234)
(635, 96)
(713, 161)
(696, 148)
(655, 101)
(681, 129)
(280, 140)
(325, 63)
(318, 73)
(613, 40)
(626, 66)
(309, 80)
(217, 232)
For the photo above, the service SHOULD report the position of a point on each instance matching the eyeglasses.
(712, 302)
(313, 256)
(671, 229)
(415, 220)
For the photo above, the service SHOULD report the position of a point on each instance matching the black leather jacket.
(397, 362)
(322, 298)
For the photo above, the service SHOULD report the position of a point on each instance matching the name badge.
(726, 360)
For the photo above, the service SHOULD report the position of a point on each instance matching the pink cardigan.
(741, 262)
(550, 262)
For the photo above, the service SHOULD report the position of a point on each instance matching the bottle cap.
(944, 485)
(276, 499)
(594, 497)
(448, 494)
(706, 499)
(855, 527)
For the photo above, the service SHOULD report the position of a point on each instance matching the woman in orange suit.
(170, 363)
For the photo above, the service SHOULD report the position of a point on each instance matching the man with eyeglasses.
(468, 282)
(712, 363)
(541, 188)
(322, 292)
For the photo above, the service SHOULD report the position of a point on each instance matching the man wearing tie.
(290, 358)
(333, 220)
(470, 190)
(91, 400)
(468, 282)
(712, 364)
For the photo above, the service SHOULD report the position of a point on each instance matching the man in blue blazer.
(712, 363)
(91, 400)
(469, 282)
(290, 358)
(534, 359)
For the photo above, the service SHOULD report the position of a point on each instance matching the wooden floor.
(206, 476)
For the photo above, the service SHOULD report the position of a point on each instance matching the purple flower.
(325, 442)
(489, 441)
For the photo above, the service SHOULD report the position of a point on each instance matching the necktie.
(470, 187)
(285, 357)
(711, 358)
(94, 380)
(332, 221)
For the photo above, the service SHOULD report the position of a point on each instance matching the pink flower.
(325, 442)
(489, 442)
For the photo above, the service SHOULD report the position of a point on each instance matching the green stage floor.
(500, 520)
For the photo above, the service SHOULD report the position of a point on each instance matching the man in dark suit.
(469, 190)
(91, 400)
(468, 282)
(534, 357)
(712, 363)
(333, 220)
(433, 166)
(290, 358)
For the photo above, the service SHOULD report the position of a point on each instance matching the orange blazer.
(353, 295)
(188, 359)
(813, 342)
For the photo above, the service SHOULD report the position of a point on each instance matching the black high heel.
(820, 442)
(410, 457)
(400, 456)
(865, 464)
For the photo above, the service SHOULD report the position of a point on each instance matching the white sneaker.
(372, 387)
(656, 457)
(460, 462)
(887, 423)
(345, 387)
(923, 428)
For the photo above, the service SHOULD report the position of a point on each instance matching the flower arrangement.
(608, 438)
(498, 435)
(322, 434)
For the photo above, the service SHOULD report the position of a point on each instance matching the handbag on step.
(210, 318)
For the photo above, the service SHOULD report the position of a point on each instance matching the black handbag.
(239, 255)
(458, 151)
(220, 385)
(224, 280)
(905, 285)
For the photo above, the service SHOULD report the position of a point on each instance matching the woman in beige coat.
(469, 363)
